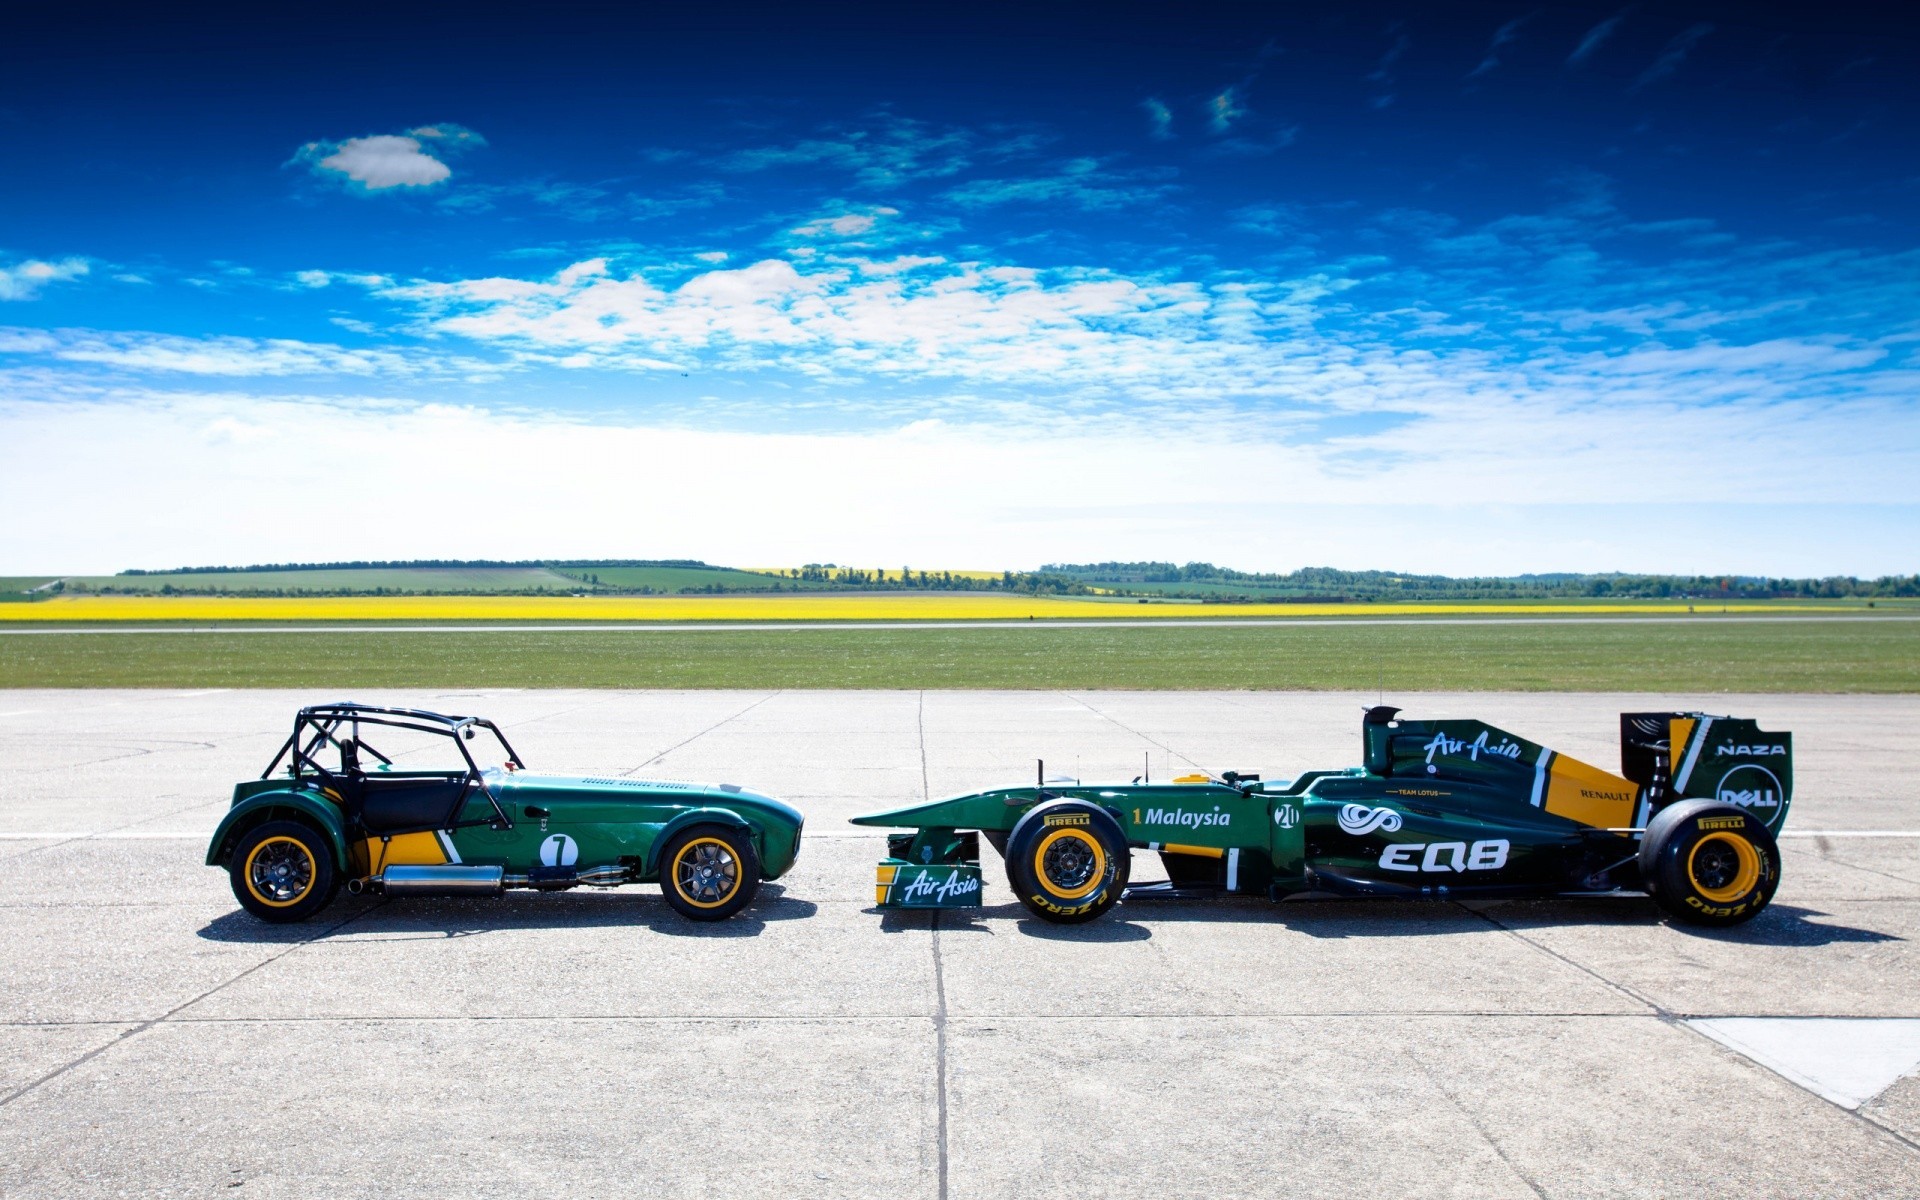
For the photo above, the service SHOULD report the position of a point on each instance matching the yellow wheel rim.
(1078, 859)
(1735, 878)
(280, 871)
(706, 872)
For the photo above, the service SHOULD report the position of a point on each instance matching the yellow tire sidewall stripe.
(1094, 881)
(1744, 882)
(738, 877)
(313, 870)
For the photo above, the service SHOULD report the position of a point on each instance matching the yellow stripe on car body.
(404, 850)
(1587, 794)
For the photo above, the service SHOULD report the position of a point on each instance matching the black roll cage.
(324, 720)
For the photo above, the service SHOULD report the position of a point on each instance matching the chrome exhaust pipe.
(606, 876)
(448, 880)
(463, 880)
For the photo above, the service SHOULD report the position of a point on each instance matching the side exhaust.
(462, 880)
(440, 881)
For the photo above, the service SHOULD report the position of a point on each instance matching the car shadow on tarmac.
(1113, 927)
(1340, 917)
(439, 919)
(1777, 924)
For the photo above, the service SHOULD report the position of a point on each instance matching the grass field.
(1747, 656)
(881, 606)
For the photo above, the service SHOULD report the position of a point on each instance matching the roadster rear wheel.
(283, 871)
(710, 872)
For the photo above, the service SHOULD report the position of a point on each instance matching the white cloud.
(1529, 498)
(1084, 183)
(234, 357)
(1502, 37)
(23, 280)
(885, 151)
(26, 341)
(448, 134)
(1159, 119)
(1224, 109)
(1247, 350)
(1673, 54)
(1595, 38)
(385, 161)
(845, 225)
(381, 161)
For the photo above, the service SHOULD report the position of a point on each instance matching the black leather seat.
(399, 805)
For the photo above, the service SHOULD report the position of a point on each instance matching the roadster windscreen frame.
(325, 720)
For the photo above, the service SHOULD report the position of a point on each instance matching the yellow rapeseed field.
(793, 607)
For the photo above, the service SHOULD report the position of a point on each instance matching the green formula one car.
(343, 812)
(1440, 809)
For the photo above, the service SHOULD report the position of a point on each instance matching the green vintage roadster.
(332, 810)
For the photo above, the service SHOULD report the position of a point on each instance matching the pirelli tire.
(1709, 863)
(1067, 861)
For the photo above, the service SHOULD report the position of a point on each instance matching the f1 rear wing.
(1680, 756)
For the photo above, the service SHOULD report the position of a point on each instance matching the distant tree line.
(1030, 583)
(418, 563)
(1201, 580)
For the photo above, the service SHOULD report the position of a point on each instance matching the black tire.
(1709, 863)
(283, 871)
(709, 872)
(1068, 861)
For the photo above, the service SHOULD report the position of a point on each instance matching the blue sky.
(1463, 288)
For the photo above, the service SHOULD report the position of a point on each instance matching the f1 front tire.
(1068, 861)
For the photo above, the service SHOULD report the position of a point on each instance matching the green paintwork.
(1739, 763)
(618, 822)
(261, 800)
(1438, 808)
(589, 821)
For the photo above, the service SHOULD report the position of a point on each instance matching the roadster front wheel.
(282, 872)
(710, 872)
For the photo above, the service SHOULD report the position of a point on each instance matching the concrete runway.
(156, 1041)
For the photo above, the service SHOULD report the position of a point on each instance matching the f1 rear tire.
(1068, 861)
(1709, 863)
